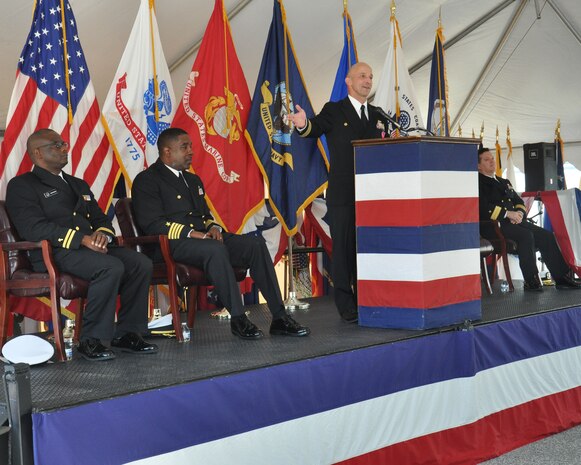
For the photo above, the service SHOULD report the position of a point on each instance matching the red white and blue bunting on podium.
(417, 234)
(454, 397)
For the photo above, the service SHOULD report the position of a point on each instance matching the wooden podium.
(418, 243)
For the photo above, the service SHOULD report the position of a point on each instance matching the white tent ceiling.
(520, 64)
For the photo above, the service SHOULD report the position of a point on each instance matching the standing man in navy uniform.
(47, 203)
(343, 122)
(499, 202)
(168, 199)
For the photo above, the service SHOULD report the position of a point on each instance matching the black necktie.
(182, 179)
(364, 119)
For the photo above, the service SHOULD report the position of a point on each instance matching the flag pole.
(292, 302)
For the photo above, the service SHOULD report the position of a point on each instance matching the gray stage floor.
(213, 351)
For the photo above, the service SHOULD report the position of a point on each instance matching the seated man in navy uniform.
(499, 202)
(47, 203)
(168, 199)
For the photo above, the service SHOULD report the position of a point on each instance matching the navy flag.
(438, 118)
(294, 168)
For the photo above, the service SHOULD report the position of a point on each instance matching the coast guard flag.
(438, 117)
(348, 58)
(53, 90)
(140, 103)
(395, 90)
(214, 110)
(295, 168)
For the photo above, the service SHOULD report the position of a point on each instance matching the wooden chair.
(18, 278)
(176, 275)
(485, 250)
(502, 247)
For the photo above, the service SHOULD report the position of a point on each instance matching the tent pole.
(490, 62)
(563, 18)
(194, 48)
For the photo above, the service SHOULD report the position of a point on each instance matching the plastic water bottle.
(185, 332)
(68, 333)
(504, 286)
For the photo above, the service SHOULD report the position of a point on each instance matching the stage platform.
(218, 392)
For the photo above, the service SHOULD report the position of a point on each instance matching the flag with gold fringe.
(141, 102)
(214, 111)
(295, 168)
(438, 116)
(559, 150)
(395, 90)
(348, 57)
(510, 171)
(498, 155)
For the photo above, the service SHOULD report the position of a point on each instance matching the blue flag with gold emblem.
(295, 168)
(438, 118)
(348, 58)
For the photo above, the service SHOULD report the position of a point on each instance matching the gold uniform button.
(191, 225)
(77, 228)
(179, 197)
(88, 216)
(74, 213)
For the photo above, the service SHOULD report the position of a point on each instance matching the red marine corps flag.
(214, 110)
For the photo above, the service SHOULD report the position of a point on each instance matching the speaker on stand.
(540, 167)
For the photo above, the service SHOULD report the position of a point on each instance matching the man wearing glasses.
(47, 203)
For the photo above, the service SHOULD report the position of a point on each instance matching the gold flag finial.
(473, 135)
(459, 130)
(482, 131)
(393, 8)
(558, 129)
(508, 132)
(440, 18)
(497, 133)
(344, 4)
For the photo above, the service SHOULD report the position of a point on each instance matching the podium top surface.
(412, 139)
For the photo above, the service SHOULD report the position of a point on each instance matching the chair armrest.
(135, 241)
(21, 245)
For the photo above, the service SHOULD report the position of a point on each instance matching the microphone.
(388, 118)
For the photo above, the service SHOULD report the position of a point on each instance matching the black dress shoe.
(533, 286)
(242, 327)
(286, 326)
(91, 349)
(350, 316)
(567, 282)
(134, 343)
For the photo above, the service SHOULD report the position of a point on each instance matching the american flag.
(53, 90)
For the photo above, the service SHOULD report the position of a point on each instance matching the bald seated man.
(48, 203)
(342, 122)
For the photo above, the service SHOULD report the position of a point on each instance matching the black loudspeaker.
(540, 167)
